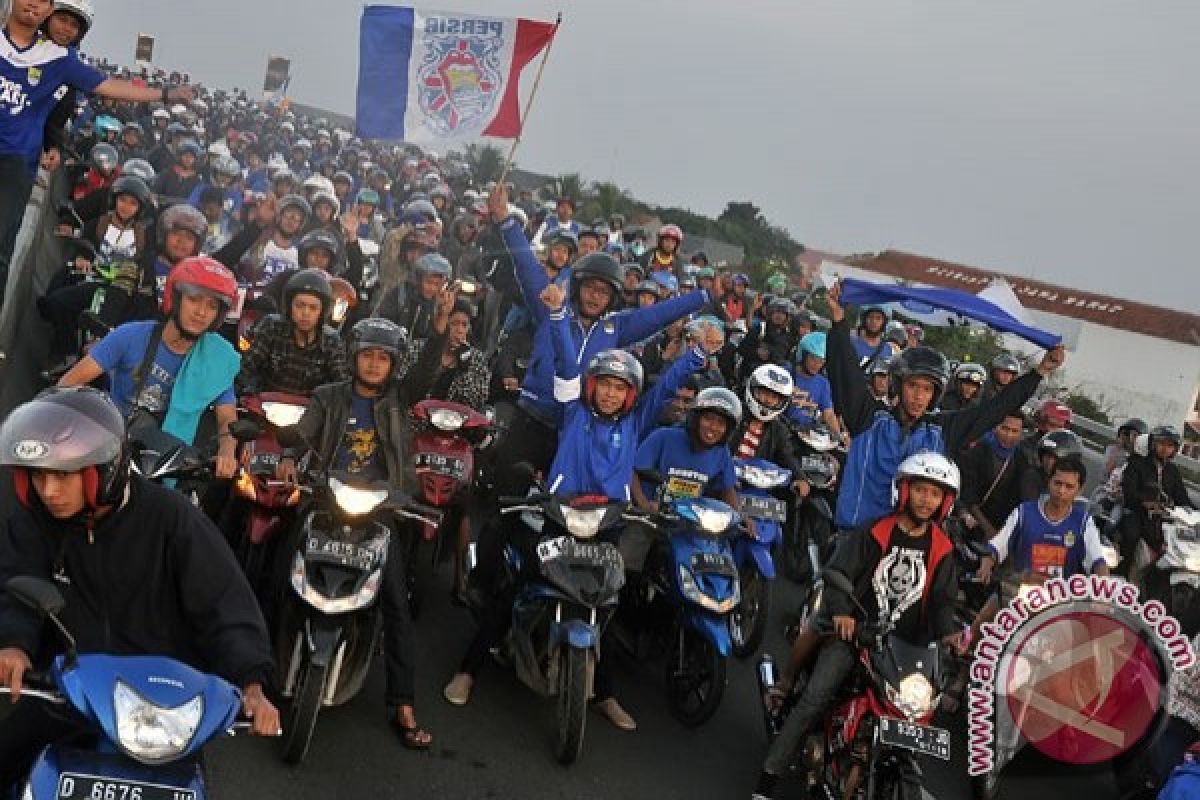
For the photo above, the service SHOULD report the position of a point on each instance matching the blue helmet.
(665, 280)
(812, 344)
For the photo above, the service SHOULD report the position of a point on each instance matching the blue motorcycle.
(151, 715)
(757, 480)
(683, 603)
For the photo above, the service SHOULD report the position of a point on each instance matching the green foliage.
(487, 162)
(1085, 406)
(604, 199)
(962, 343)
(570, 184)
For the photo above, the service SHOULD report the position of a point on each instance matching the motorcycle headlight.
(445, 419)
(913, 696)
(356, 501)
(150, 733)
(583, 524)
(693, 592)
(1113, 559)
(340, 307)
(282, 414)
(334, 605)
(711, 520)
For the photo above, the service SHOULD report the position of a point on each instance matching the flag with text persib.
(437, 75)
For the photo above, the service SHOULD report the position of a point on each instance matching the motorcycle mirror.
(838, 581)
(36, 594)
(288, 436)
(245, 430)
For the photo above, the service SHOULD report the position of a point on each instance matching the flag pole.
(512, 151)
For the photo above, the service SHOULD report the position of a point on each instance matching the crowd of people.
(598, 349)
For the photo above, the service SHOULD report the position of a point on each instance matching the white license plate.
(918, 738)
(75, 786)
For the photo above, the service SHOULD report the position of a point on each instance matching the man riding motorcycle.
(412, 305)
(142, 570)
(902, 565)
(1150, 483)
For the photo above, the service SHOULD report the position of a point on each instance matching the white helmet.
(932, 467)
(774, 379)
(178, 110)
(218, 148)
(80, 8)
(160, 113)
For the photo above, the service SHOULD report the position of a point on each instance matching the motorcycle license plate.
(264, 462)
(1190, 578)
(343, 554)
(918, 738)
(567, 547)
(442, 465)
(769, 508)
(74, 786)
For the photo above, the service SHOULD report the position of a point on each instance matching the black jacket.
(984, 475)
(775, 444)
(778, 343)
(154, 578)
(324, 421)
(1146, 480)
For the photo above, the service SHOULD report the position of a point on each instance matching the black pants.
(16, 183)
(32, 725)
(834, 663)
(61, 307)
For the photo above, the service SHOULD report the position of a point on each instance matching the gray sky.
(1053, 139)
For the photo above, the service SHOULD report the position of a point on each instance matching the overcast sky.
(1058, 139)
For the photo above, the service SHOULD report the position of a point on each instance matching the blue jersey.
(687, 472)
(811, 397)
(865, 490)
(1032, 542)
(31, 83)
(120, 353)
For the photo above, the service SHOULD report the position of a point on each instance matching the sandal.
(414, 738)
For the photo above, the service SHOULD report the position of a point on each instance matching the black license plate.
(567, 547)
(443, 465)
(73, 786)
(264, 461)
(714, 562)
(343, 554)
(769, 508)
(918, 738)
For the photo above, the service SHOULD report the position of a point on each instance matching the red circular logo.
(1083, 687)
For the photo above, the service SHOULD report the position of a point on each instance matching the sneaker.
(458, 690)
(611, 710)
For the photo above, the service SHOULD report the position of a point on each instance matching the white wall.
(1131, 374)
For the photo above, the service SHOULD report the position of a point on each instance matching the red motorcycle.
(444, 448)
(867, 749)
(270, 501)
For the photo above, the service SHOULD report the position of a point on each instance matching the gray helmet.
(1006, 362)
(226, 166)
(896, 333)
(1136, 425)
(308, 281)
(104, 157)
(880, 365)
(719, 400)
(921, 362)
(294, 201)
(433, 264)
(182, 217)
(68, 430)
(1061, 444)
(139, 168)
(617, 364)
(647, 287)
(320, 239)
(971, 372)
(1166, 433)
(382, 334)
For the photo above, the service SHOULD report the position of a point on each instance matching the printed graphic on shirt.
(156, 393)
(12, 95)
(1050, 559)
(685, 483)
(899, 581)
(361, 445)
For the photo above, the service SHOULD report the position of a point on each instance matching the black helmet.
(68, 430)
(600, 266)
(1006, 362)
(1136, 425)
(718, 400)
(379, 333)
(780, 304)
(1061, 444)
(593, 232)
(308, 281)
(617, 364)
(922, 362)
(562, 236)
(320, 239)
(134, 187)
(1165, 432)
(140, 168)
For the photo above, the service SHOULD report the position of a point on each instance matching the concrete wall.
(1131, 374)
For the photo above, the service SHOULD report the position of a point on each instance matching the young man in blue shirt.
(34, 74)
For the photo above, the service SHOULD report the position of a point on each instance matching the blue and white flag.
(437, 75)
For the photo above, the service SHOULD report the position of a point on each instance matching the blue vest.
(865, 493)
(1056, 549)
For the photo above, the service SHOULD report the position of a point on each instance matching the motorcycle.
(683, 603)
(757, 479)
(271, 501)
(880, 722)
(1174, 578)
(165, 459)
(444, 457)
(808, 535)
(559, 616)
(329, 624)
(151, 717)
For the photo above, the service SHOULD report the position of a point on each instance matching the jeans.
(834, 663)
(16, 183)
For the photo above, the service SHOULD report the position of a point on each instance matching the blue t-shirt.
(810, 391)
(31, 82)
(359, 452)
(120, 353)
(686, 471)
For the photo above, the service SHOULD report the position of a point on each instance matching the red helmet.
(205, 275)
(1054, 411)
(673, 231)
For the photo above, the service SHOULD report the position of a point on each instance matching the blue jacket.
(597, 454)
(880, 440)
(617, 330)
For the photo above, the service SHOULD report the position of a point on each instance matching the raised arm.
(852, 399)
(641, 323)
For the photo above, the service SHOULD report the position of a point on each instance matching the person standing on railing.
(33, 72)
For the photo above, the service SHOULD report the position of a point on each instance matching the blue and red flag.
(435, 75)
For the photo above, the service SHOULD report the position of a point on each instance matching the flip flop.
(414, 738)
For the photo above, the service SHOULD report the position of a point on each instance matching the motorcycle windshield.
(90, 687)
(590, 573)
(898, 658)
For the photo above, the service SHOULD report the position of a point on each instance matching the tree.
(570, 184)
(487, 162)
(746, 215)
(964, 343)
(607, 199)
